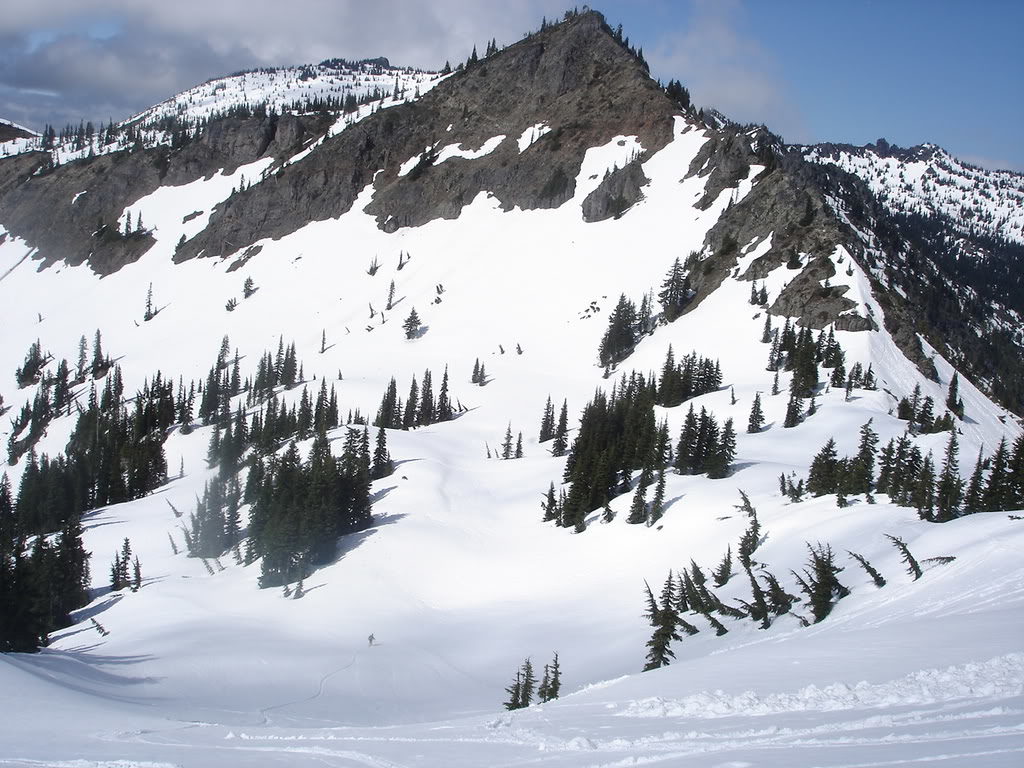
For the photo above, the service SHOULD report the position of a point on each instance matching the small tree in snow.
(411, 324)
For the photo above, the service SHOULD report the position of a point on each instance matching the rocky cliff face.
(573, 80)
(70, 212)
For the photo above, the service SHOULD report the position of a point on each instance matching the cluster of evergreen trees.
(703, 447)
(270, 426)
(116, 454)
(38, 588)
(300, 508)
(420, 409)
(521, 691)
(675, 291)
(796, 349)
(618, 435)
(113, 455)
(479, 375)
(691, 377)
(910, 477)
(552, 430)
(55, 395)
(920, 411)
(626, 326)
(687, 591)
(31, 371)
(120, 577)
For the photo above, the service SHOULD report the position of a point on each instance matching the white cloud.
(151, 50)
(726, 68)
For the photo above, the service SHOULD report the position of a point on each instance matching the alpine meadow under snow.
(214, 658)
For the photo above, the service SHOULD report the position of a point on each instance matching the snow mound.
(1001, 676)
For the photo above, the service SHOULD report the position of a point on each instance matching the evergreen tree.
(528, 683)
(779, 601)
(550, 505)
(674, 291)
(411, 326)
(620, 337)
(876, 577)
(861, 472)
(515, 690)
(756, 421)
(998, 491)
(793, 412)
(1015, 469)
(751, 538)
(545, 685)
(426, 414)
(547, 422)
(665, 623)
(561, 436)
(723, 572)
(506, 446)
(638, 509)
(911, 562)
(953, 401)
(950, 487)
(820, 581)
(923, 495)
(824, 472)
(721, 456)
(412, 404)
(973, 497)
(554, 680)
(382, 465)
(445, 411)
(658, 504)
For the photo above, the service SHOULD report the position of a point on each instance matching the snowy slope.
(929, 181)
(458, 578)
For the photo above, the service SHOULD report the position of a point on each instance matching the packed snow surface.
(458, 579)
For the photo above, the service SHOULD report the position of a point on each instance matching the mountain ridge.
(751, 400)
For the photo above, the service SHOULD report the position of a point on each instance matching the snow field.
(458, 579)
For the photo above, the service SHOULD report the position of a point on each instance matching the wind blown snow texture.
(458, 579)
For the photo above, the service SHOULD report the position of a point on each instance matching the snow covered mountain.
(927, 180)
(9, 132)
(558, 221)
(335, 86)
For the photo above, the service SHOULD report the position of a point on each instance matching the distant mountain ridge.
(928, 180)
(10, 131)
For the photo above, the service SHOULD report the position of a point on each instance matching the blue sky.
(846, 71)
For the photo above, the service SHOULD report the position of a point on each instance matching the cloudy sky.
(945, 71)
